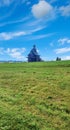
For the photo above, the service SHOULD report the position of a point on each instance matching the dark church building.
(33, 56)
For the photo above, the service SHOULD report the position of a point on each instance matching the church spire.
(34, 46)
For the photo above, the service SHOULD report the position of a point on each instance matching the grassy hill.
(35, 96)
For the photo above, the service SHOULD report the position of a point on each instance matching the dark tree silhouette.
(58, 59)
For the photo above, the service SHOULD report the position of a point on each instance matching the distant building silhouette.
(33, 56)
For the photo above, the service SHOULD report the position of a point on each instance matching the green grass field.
(35, 96)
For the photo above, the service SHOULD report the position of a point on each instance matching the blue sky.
(45, 23)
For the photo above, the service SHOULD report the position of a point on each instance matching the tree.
(58, 59)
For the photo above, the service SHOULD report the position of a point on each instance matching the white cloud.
(62, 50)
(10, 35)
(42, 9)
(15, 53)
(64, 40)
(65, 57)
(65, 10)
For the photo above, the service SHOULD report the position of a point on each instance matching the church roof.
(33, 52)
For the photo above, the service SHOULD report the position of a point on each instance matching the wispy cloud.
(62, 50)
(10, 35)
(14, 22)
(52, 1)
(1, 51)
(65, 10)
(9, 12)
(34, 22)
(52, 44)
(36, 37)
(5, 2)
(64, 40)
(15, 53)
(26, 1)
(37, 29)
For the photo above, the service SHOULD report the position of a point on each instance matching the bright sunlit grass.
(35, 96)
